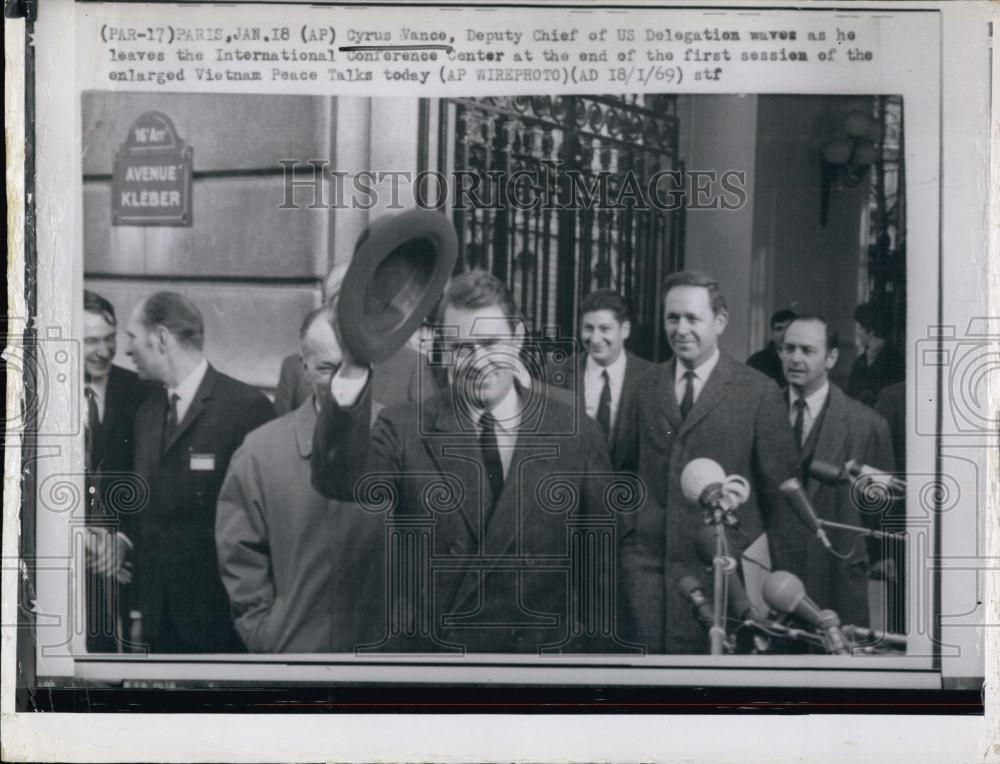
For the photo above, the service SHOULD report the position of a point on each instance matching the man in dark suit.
(832, 428)
(111, 397)
(304, 574)
(403, 377)
(703, 404)
(508, 483)
(608, 379)
(767, 361)
(184, 438)
(878, 364)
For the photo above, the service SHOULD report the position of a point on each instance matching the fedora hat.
(400, 267)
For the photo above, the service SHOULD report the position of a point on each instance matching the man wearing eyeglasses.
(498, 473)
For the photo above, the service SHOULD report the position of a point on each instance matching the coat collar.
(304, 423)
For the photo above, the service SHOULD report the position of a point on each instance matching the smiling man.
(703, 404)
(612, 378)
(496, 470)
(833, 428)
(111, 397)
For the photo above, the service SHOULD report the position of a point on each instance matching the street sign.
(151, 185)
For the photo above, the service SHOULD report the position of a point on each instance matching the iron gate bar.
(594, 140)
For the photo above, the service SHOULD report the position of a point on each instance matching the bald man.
(304, 574)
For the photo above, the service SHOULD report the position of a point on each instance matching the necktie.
(92, 437)
(604, 404)
(797, 427)
(171, 426)
(688, 400)
(491, 455)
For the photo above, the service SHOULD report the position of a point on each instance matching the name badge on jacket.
(202, 462)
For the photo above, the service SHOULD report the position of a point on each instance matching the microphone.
(803, 508)
(704, 482)
(853, 471)
(785, 593)
(827, 474)
(700, 606)
(897, 641)
(860, 471)
(740, 606)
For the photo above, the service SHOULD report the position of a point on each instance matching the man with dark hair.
(767, 361)
(501, 473)
(877, 364)
(112, 396)
(830, 427)
(702, 404)
(184, 437)
(304, 574)
(608, 379)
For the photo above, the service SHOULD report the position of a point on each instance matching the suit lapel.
(112, 396)
(810, 442)
(120, 408)
(832, 433)
(624, 406)
(711, 394)
(575, 382)
(455, 451)
(203, 395)
(667, 400)
(529, 465)
(150, 420)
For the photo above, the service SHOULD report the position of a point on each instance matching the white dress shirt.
(593, 384)
(701, 375)
(187, 388)
(814, 405)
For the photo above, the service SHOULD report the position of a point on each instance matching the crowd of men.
(379, 509)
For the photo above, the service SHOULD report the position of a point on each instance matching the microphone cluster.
(785, 595)
(705, 484)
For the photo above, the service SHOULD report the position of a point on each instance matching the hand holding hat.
(399, 270)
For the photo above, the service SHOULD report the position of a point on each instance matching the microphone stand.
(863, 531)
(719, 502)
(717, 634)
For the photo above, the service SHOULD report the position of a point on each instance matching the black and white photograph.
(498, 357)
(576, 231)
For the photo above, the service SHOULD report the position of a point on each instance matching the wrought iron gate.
(584, 223)
(887, 217)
